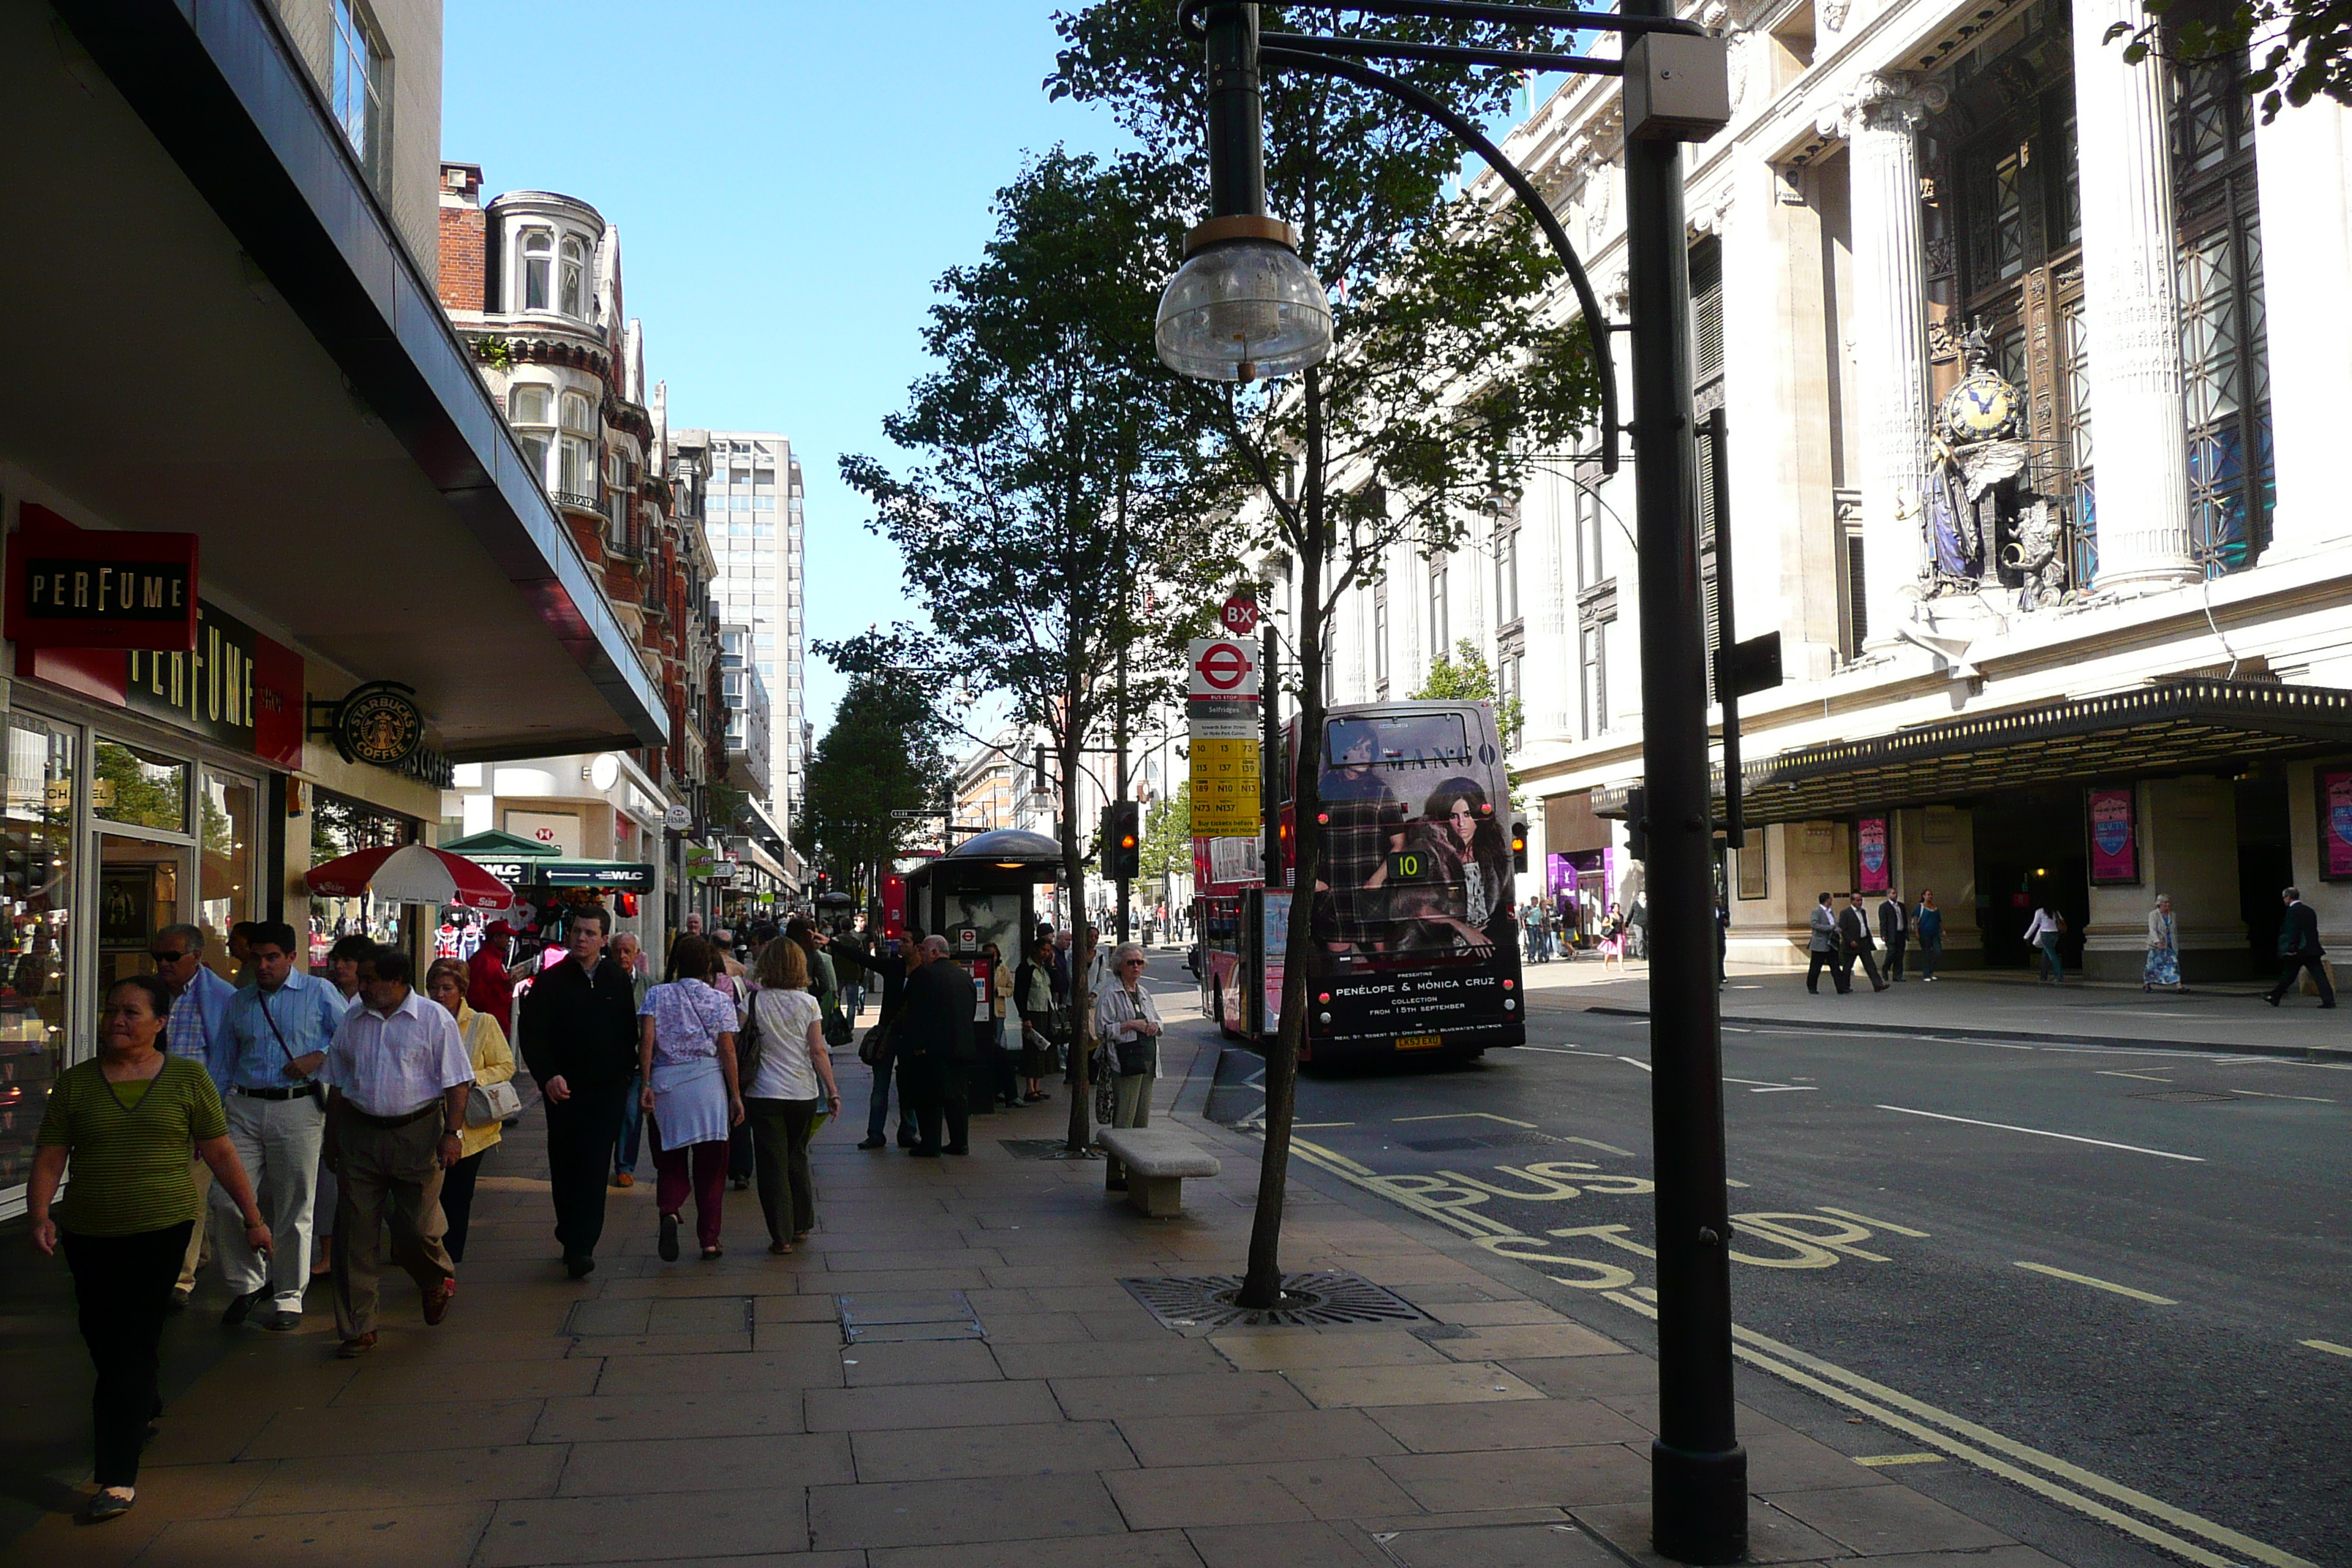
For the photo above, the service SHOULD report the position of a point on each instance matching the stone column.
(1880, 120)
(2303, 163)
(2131, 296)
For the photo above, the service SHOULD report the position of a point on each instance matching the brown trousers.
(386, 1172)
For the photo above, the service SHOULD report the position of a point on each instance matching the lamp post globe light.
(1243, 307)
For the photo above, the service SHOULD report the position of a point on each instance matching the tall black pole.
(1270, 758)
(1698, 1473)
(1236, 115)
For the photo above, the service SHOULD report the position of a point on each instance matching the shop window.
(37, 859)
(537, 269)
(340, 827)
(228, 808)
(139, 788)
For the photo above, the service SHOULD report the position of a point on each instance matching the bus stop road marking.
(1876, 1461)
(1881, 1224)
(2148, 1297)
(2329, 1346)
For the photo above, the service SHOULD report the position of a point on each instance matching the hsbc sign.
(1220, 667)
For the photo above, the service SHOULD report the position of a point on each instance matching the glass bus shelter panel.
(36, 843)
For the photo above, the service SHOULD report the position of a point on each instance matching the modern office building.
(754, 511)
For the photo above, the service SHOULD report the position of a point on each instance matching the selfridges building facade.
(2051, 522)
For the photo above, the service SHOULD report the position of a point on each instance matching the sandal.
(710, 1252)
(780, 1248)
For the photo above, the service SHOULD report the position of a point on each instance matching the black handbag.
(749, 1046)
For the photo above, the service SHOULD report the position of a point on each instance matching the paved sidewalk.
(709, 1412)
(2000, 1004)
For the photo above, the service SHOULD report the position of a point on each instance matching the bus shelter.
(983, 890)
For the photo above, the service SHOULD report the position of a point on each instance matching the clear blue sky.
(789, 179)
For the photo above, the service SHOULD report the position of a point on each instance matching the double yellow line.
(2150, 1519)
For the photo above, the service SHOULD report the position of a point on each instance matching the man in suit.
(1822, 952)
(1894, 931)
(933, 1039)
(578, 1031)
(2299, 948)
(1853, 927)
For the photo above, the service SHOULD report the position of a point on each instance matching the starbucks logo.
(380, 724)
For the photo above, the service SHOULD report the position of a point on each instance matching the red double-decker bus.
(1415, 946)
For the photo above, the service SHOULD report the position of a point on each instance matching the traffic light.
(1637, 823)
(1043, 785)
(1519, 847)
(1122, 840)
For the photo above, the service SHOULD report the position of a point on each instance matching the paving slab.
(627, 1528)
(446, 1475)
(1185, 1394)
(1137, 1549)
(1159, 1357)
(925, 1454)
(1482, 1314)
(1283, 1350)
(707, 1464)
(1500, 1546)
(713, 1373)
(925, 1361)
(912, 1405)
(1204, 1495)
(1530, 1341)
(1878, 1521)
(936, 1513)
(1566, 1477)
(606, 1418)
(1256, 1437)
(393, 1537)
(1515, 1424)
(1447, 1382)
(1308, 1544)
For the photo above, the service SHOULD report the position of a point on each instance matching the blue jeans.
(633, 1127)
(2051, 965)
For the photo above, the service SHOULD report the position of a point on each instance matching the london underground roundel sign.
(1223, 667)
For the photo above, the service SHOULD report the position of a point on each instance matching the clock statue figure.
(1979, 510)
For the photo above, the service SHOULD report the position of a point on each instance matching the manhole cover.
(1463, 1143)
(900, 1316)
(1198, 1302)
(2185, 1096)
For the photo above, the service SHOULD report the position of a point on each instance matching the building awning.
(212, 328)
(2193, 725)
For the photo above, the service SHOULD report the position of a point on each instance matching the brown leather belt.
(427, 1109)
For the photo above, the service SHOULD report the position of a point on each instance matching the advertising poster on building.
(1278, 942)
(2114, 837)
(1223, 750)
(2335, 825)
(1872, 855)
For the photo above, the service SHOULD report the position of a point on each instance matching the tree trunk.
(1262, 1288)
(1082, 1006)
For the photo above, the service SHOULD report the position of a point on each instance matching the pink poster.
(2336, 824)
(2114, 841)
(1872, 853)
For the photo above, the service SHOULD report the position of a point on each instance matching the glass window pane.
(339, 827)
(529, 402)
(140, 788)
(224, 880)
(36, 878)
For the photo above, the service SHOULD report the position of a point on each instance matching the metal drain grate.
(1463, 1144)
(1198, 1302)
(1043, 1149)
(2186, 1096)
(896, 1317)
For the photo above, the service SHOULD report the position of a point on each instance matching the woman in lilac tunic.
(686, 1053)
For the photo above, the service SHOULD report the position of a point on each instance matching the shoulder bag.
(311, 1087)
(749, 1046)
(490, 1104)
(875, 1049)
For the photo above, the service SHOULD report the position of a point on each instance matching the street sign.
(1240, 615)
(1222, 667)
(678, 816)
(926, 812)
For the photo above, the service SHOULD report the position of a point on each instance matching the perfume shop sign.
(90, 588)
(236, 687)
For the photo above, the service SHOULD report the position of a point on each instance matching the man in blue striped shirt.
(274, 1038)
(190, 1030)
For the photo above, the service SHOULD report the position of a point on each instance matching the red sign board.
(78, 587)
(1240, 615)
(894, 905)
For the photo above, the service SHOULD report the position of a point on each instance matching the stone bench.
(1151, 1165)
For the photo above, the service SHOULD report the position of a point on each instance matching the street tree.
(1447, 374)
(882, 754)
(2294, 50)
(1060, 474)
(1168, 835)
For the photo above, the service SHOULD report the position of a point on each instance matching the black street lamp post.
(1216, 327)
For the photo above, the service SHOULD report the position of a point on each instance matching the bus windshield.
(1416, 858)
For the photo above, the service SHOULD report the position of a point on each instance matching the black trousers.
(123, 1291)
(1895, 959)
(457, 1202)
(1869, 967)
(780, 1140)
(939, 1090)
(2294, 967)
(581, 1134)
(1841, 974)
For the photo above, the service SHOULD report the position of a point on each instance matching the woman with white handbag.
(493, 1101)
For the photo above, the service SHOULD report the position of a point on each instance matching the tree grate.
(1465, 1144)
(2186, 1096)
(1194, 1304)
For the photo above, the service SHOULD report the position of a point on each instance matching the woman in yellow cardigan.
(486, 1044)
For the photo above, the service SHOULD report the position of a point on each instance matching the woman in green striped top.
(127, 1119)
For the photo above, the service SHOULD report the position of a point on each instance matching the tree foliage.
(1167, 836)
(1463, 677)
(1445, 382)
(1062, 478)
(2301, 49)
(883, 752)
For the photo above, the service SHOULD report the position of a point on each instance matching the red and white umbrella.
(410, 874)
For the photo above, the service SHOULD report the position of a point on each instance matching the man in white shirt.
(398, 1078)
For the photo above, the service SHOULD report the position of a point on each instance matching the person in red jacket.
(489, 978)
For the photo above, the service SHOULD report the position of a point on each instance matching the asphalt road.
(2120, 1273)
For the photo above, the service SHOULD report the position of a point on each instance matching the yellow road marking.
(2111, 1073)
(2330, 1347)
(1465, 1116)
(1876, 1461)
(2101, 1284)
(1881, 1224)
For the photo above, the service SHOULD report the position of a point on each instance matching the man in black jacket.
(2298, 950)
(1894, 931)
(1853, 927)
(578, 1031)
(933, 1040)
